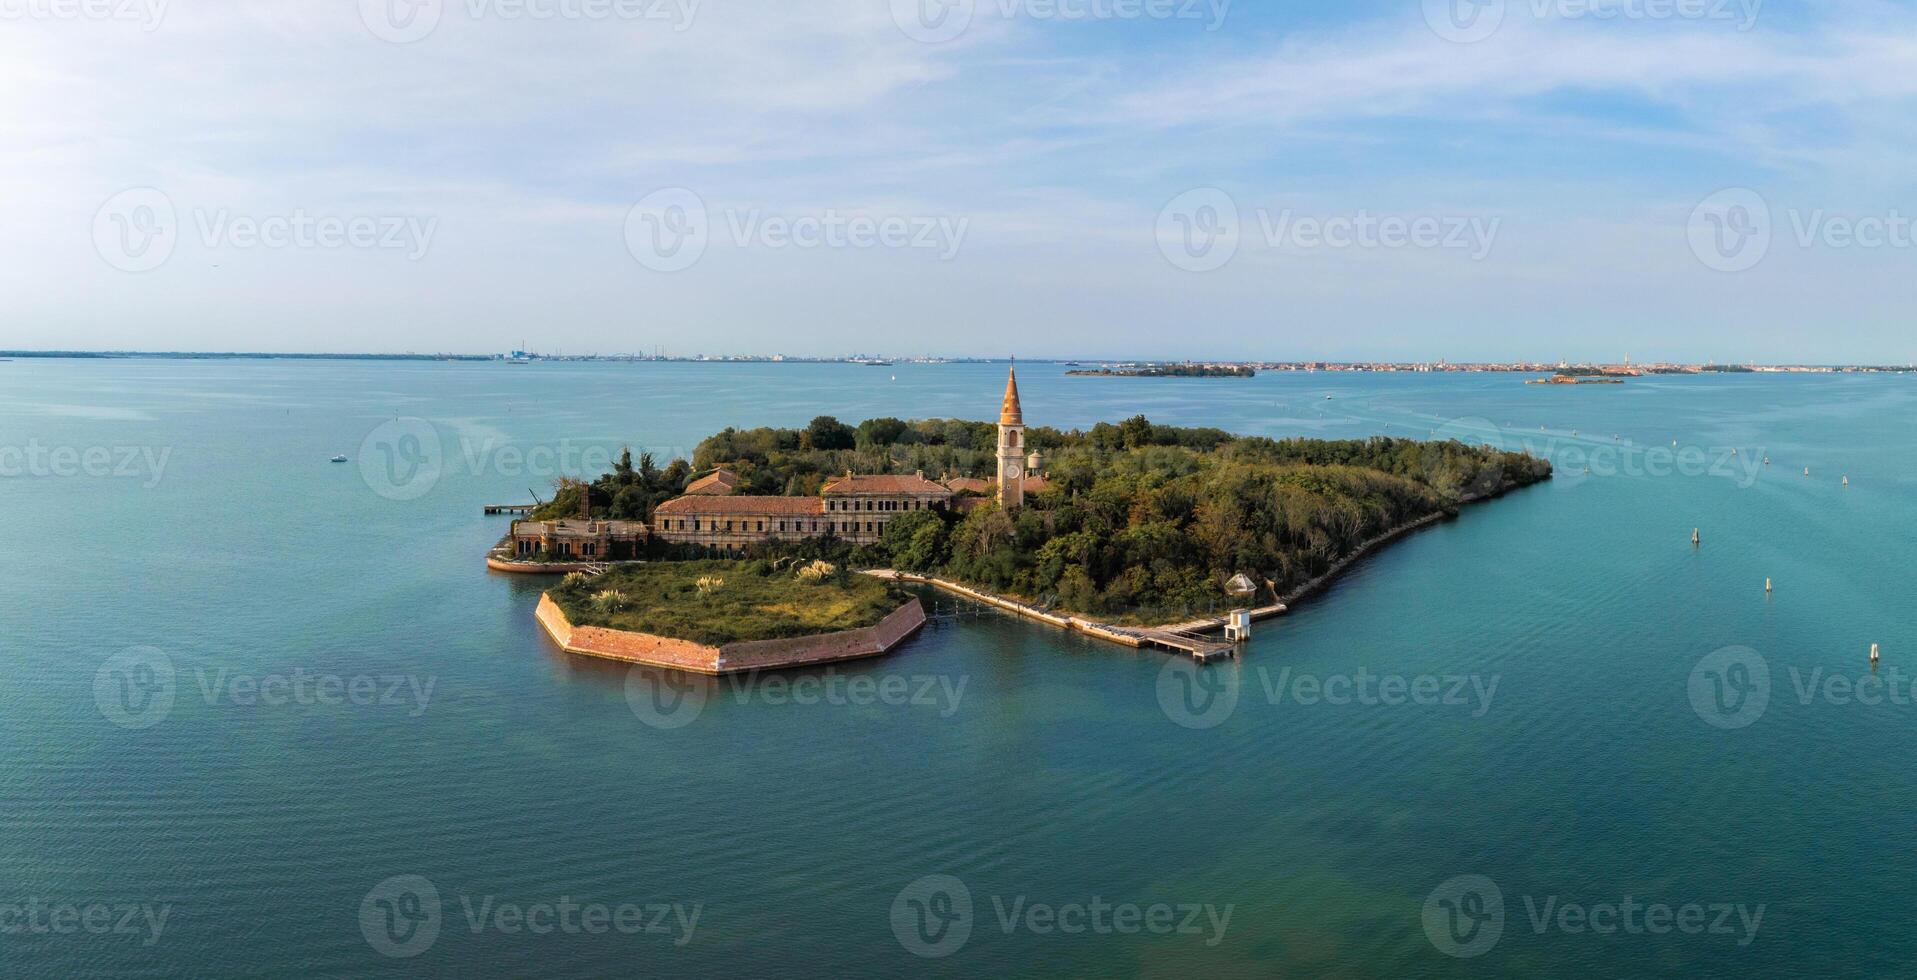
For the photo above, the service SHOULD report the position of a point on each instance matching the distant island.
(1169, 371)
(1580, 376)
(1130, 522)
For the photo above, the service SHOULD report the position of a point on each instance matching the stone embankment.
(731, 658)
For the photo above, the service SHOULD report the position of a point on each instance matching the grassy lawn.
(738, 601)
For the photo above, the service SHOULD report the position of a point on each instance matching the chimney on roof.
(921, 474)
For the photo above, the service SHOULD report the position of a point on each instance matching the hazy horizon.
(1468, 180)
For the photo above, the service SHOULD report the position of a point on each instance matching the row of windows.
(886, 505)
(778, 527)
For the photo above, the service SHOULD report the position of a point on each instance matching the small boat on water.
(339, 459)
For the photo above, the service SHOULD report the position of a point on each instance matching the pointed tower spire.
(1010, 413)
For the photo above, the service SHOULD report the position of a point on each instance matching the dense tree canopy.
(1139, 518)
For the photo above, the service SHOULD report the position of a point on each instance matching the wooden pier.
(1202, 649)
(492, 509)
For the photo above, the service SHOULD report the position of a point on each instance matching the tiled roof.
(748, 506)
(885, 484)
(718, 483)
(1009, 413)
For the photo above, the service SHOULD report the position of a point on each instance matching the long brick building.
(853, 507)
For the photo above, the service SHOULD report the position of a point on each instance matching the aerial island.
(1582, 376)
(778, 547)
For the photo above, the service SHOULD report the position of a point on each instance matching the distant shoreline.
(1281, 367)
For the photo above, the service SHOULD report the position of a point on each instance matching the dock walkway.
(1184, 638)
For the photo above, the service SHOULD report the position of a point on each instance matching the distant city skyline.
(1381, 180)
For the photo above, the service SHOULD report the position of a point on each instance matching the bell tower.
(1011, 446)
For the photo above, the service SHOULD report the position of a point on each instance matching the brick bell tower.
(1011, 446)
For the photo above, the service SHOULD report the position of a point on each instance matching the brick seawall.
(732, 658)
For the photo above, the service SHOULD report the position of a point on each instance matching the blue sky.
(1040, 182)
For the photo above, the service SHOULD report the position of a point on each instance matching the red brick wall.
(659, 651)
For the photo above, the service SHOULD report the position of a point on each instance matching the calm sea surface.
(244, 687)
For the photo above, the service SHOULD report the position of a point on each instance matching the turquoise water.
(1033, 767)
